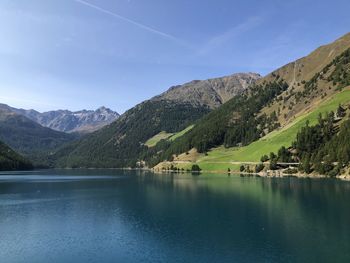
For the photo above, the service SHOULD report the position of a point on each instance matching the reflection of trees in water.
(292, 206)
(325, 200)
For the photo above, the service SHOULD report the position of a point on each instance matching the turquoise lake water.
(116, 216)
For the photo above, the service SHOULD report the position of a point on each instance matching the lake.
(127, 216)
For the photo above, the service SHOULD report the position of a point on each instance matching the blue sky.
(76, 54)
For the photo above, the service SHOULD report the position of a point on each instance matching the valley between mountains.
(294, 120)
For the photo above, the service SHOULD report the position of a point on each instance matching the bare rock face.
(211, 92)
(83, 121)
(79, 121)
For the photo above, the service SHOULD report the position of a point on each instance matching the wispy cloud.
(230, 35)
(128, 20)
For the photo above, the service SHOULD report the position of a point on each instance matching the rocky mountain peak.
(210, 92)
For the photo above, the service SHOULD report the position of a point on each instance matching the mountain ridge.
(211, 92)
(299, 74)
(83, 121)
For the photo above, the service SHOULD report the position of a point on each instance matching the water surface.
(116, 216)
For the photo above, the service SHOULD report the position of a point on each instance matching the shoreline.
(266, 174)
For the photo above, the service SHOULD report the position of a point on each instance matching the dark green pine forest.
(10, 160)
(122, 143)
(323, 148)
(30, 139)
(234, 123)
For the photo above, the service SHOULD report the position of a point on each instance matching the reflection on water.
(116, 216)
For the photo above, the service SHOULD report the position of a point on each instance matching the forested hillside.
(29, 138)
(124, 142)
(324, 148)
(307, 83)
(120, 144)
(235, 123)
(10, 160)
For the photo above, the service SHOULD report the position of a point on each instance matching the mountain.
(260, 118)
(121, 143)
(234, 123)
(269, 115)
(29, 138)
(84, 121)
(10, 160)
(303, 73)
(211, 92)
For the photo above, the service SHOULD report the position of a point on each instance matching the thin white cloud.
(125, 19)
(219, 40)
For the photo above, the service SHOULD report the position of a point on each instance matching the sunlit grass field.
(164, 135)
(271, 142)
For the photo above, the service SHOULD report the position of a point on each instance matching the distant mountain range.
(83, 121)
(37, 135)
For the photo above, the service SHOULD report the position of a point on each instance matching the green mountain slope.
(10, 160)
(236, 122)
(222, 158)
(29, 138)
(314, 86)
(166, 136)
(121, 143)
